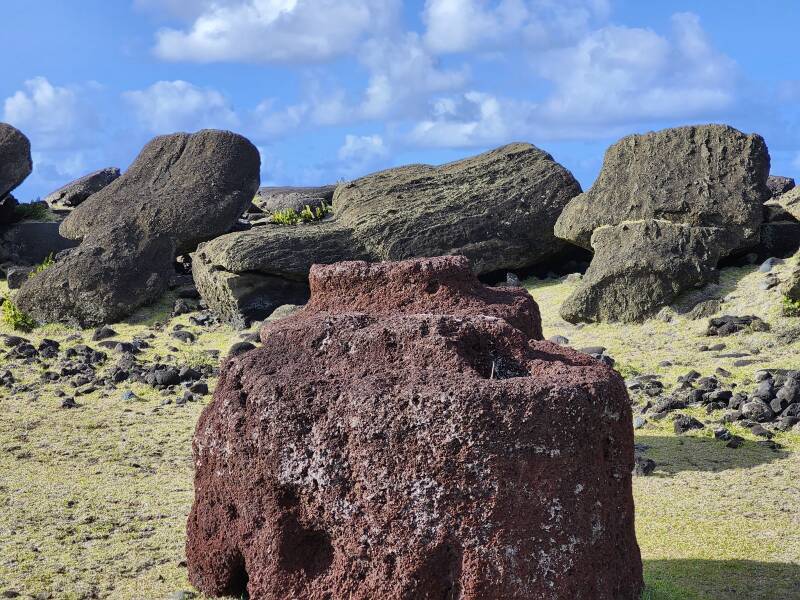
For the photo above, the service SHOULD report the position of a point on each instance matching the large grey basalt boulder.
(191, 186)
(704, 176)
(181, 190)
(497, 208)
(75, 192)
(103, 280)
(640, 266)
(15, 158)
(246, 275)
(272, 199)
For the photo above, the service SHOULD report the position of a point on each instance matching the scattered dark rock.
(240, 348)
(728, 325)
(103, 333)
(684, 423)
(643, 466)
(17, 276)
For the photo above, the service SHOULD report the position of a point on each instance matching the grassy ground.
(93, 500)
(712, 522)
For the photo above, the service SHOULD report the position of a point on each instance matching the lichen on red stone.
(408, 435)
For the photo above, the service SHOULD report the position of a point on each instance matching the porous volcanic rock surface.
(15, 158)
(414, 443)
(192, 187)
(182, 189)
(703, 176)
(497, 208)
(640, 266)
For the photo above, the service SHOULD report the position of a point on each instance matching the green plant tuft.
(32, 212)
(290, 216)
(15, 318)
(46, 263)
(790, 308)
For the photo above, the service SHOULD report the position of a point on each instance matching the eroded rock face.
(101, 281)
(192, 187)
(497, 208)
(640, 266)
(182, 189)
(704, 176)
(407, 435)
(75, 192)
(15, 158)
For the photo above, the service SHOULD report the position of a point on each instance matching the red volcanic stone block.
(405, 436)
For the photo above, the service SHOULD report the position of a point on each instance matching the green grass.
(45, 264)
(791, 308)
(13, 317)
(290, 216)
(33, 212)
(712, 522)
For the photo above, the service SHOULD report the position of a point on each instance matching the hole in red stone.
(237, 585)
(304, 549)
(287, 497)
(432, 287)
(438, 578)
(233, 514)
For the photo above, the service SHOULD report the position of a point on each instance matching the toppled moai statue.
(409, 435)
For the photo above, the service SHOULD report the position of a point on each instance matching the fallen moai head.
(408, 435)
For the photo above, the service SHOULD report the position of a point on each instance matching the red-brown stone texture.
(406, 436)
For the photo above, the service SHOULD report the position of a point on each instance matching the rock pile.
(697, 194)
(775, 402)
(181, 190)
(407, 435)
(497, 208)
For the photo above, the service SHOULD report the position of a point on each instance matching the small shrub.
(32, 212)
(15, 318)
(47, 262)
(287, 216)
(791, 308)
(290, 216)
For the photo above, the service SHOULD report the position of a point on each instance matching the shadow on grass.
(720, 580)
(673, 454)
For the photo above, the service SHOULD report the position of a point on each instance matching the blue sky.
(332, 90)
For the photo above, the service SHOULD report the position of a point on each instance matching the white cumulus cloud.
(623, 75)
(463, 25)
(362, 148)
(169, 106)
(285, 31)
(52, 116)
